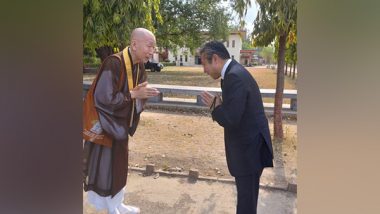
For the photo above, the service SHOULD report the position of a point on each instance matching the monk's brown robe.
(106, 169)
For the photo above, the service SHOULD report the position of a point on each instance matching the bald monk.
(106, 168)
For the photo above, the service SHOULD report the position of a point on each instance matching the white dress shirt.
(225, 67)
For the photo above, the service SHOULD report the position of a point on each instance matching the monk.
(106, 167)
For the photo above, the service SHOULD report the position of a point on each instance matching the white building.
(183, 57)
(233, 44)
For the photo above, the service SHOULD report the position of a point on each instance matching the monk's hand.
(144, 84)
(143, 91)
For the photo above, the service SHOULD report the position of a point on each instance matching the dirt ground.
(180, 141)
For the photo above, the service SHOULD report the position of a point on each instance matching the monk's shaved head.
(141, 33)
(143, 43)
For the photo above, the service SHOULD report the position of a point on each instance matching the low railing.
(173, 95)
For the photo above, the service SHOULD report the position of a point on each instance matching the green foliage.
(218, 24)
(247, 44)
(176, 23)
(110, 22)
(241, 6)
(291, 47)
(91, 61)
(169, 63)
(274, 18)
(267, 53)
(185, 23)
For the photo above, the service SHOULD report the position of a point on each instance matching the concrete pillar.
(149, 170)
(193, 174)
(293, 104)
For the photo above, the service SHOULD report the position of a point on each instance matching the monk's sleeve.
(107, 97)
(143, 77)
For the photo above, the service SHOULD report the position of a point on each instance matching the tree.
(274, 20)
(292, 48)
(291, 56)
(291, 51)
(241, 7)
(267, 54)
(288, 59)
(107, 24)
(190, 23)
(247, 44)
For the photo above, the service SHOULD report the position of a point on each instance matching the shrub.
(168, 63)
(91, 62)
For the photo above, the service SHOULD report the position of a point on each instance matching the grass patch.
(194, 76)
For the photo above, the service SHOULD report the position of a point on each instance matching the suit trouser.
(247, 192)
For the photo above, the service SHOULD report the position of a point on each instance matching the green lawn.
(194, 76)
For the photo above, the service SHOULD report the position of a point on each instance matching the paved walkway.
(165, 195)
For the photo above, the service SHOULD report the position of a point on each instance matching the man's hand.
(142, 91)
(212, 101)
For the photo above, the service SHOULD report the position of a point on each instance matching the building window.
(233, 57)
(175, 57)
(185, 58)
(180, 58)
(233, 43)
(228, 43)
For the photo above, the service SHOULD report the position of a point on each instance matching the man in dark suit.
(246, 133)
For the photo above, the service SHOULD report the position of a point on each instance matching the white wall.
(234, 51)
(182, 51)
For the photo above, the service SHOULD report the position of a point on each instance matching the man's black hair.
(214, 47)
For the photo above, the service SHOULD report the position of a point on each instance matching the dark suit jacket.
(246, 132)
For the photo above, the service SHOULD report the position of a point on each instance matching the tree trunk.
(294, 71)
(166, 55)
(290, 70)
(286, 68)
(103, 52)
(278, 131)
